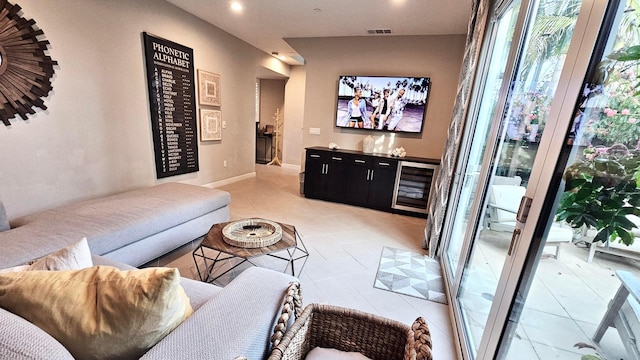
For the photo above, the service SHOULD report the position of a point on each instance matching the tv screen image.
(382, 103)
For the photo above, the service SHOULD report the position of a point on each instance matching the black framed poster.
(170, 78)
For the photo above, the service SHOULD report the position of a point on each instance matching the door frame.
(453, 281)
(569, 88)
(588, 25)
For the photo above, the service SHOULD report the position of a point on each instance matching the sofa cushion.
(115, 221)
(21, 340)
(221, 329)
(99, 312)
(4, 220)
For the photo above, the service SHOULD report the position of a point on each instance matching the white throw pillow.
(74, 257)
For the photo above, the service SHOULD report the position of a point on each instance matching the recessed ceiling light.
(236, 6)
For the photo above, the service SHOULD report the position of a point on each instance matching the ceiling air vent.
(379, 31)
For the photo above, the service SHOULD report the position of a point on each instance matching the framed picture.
(210, 124)
(208, 88)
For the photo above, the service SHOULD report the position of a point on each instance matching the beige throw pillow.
(99, 312)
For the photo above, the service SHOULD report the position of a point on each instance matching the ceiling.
(266, 23)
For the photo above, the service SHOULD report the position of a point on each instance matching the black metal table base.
(214, 260)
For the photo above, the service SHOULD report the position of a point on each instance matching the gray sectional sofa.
(131, 229)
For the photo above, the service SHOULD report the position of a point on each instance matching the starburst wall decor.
(25, 67)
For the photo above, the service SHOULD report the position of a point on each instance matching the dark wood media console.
(377, 181)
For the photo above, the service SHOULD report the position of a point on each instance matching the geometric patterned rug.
(409, 273)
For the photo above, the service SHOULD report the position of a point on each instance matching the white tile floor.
(566, 302)
(344, 242)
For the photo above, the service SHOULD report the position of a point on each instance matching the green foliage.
(600, 192)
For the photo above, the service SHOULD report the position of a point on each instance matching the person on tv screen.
(398, 103)
(356, 111)
(381, 112)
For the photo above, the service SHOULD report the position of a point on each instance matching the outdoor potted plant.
(601, 191)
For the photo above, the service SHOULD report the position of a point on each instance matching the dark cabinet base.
(356, 178)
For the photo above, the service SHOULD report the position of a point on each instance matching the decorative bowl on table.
(252, 233)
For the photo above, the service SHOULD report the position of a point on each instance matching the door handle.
(523, 209)
(359, 161)
(514, 241)
(322, 172)
(383, 164)
(372, 174)
(336, 158)
(368, 172)
(327, 169)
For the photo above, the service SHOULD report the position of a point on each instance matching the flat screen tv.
(382, 103)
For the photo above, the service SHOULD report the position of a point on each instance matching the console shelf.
(377, 181)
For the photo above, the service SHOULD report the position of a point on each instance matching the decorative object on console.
(398, 152)
(367, 144)
(209, 90)
(277, 131)
(25, 68)
(210, 124)
(333, 146)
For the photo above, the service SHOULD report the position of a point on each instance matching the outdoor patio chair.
(504, 201)
(623, 314)
(617, 248)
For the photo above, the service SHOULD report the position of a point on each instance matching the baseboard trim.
(291, 167)
(230, 180)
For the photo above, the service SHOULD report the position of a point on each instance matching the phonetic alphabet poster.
(170, 78)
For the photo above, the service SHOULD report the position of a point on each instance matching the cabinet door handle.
(314, 156)
(368, 173)
(327, 169)
(336, 158)
(360, 161)
(372, 174)
(383, 164)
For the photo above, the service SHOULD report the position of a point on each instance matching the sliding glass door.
(534, 52)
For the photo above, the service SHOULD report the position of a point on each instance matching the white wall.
(95, 137)
(293, 121)
(437, 57)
